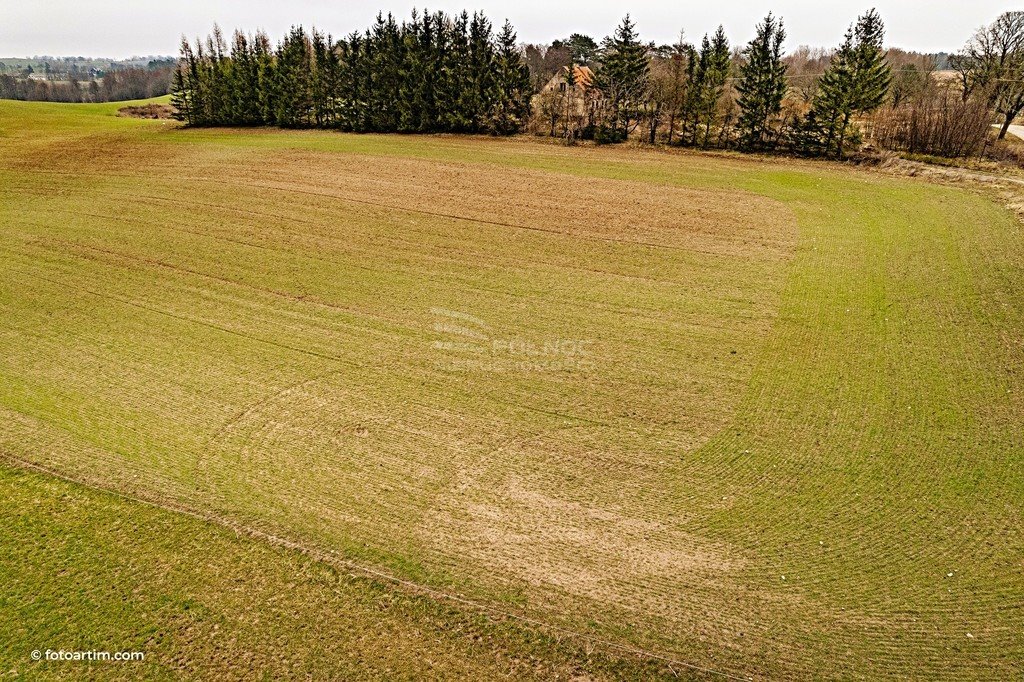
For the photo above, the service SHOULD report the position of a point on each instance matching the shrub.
(937, 122)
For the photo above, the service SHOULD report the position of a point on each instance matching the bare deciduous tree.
(667, 85)
(993, 62)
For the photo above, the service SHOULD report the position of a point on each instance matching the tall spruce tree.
(204, 110)
(294, 81)
(454, 93)
(324, 61)
(384, 101)
(263, 56)
(855, 83)
(349, 82)
(245, 81)
(622, 80)
(363, 112)
(480, 86)
(424, 77)
(184, 87)
(762, 84)
(583, 50)
(708, 74)
(513, 88)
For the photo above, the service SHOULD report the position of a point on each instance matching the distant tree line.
(113, 86)
(758, 98)
(713, 95)
(441, 73)
(433, 73)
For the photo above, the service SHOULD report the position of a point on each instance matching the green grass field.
(759, 417)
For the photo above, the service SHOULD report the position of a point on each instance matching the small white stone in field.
(783, 577)
(949, 575)
(970, 636)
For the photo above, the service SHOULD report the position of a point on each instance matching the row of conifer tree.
(682, 89)
(438, 73)
(434, 73)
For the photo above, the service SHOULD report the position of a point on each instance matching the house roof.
(583, 76)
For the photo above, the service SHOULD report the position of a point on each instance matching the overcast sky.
(123, 28)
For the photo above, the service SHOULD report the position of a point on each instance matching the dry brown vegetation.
(151, 111)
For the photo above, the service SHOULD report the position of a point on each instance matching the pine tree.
(238, 92)
(856, 82)
(202, 104)
(387, 75)
(707, 73)
(324, 61)
(294, 81)
(183, 88)
(363, 109)
(874, 75)
(414, 70)
(582, 49)
(350, 80)
(424, 76)
(763, 83)
(481, 83)
(622, 79)
(264, 64)
(436, 45)
(218, 79)
(245, 86)
(716, 75)
(511, 106)
(455, 91)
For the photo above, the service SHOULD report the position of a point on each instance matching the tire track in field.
(263, 402)
(156, 263)
(495, 223)
(473, 259)
(190, 320)
(286, 188)
(251, 337)
(704, 324)
(220, 180)
(351, 263)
